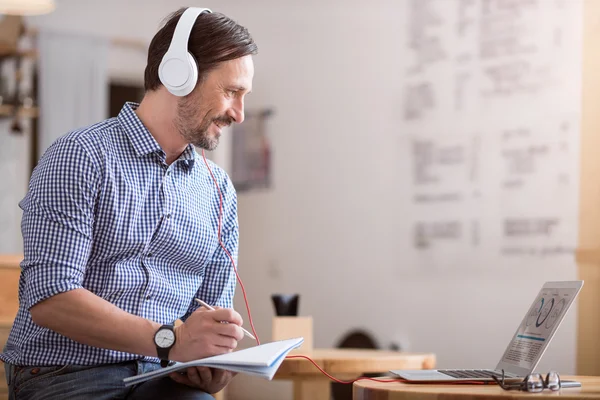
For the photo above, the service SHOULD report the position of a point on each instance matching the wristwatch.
(164, 339)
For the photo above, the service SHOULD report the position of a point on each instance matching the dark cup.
(285, 304)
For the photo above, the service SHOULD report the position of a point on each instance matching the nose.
(236, 111)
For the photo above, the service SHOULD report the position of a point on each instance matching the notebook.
(263, 361)
(526, 347)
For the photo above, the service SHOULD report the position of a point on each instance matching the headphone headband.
(178, 71)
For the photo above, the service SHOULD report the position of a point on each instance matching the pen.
(212, 309)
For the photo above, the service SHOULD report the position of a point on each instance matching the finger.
(224, 350)
(239, 334)
(205, 374)
(194, 376)
(226, 341)
(217, 376)
(181, 378)
(218, 350)
(220, 375)
(228, 315)
(230, 330)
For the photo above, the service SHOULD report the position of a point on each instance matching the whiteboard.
(491, 111)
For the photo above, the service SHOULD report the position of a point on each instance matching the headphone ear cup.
(178, 69)
(193, 78)
(179, 75)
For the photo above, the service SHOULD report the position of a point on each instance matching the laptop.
(527, 345)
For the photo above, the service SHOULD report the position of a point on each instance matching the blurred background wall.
(424, 161)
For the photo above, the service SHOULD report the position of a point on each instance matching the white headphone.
(178, 71)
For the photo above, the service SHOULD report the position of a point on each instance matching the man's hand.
(204, 335)
(209, 380)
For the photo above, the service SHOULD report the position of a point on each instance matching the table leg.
(312, 389)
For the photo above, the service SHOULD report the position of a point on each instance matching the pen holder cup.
(287, 327)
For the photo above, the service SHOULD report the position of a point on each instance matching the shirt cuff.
(45, 281)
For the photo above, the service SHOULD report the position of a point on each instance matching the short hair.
(214, 38)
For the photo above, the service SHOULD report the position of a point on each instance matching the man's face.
(216, 102)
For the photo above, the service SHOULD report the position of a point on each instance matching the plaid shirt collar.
(142, 140)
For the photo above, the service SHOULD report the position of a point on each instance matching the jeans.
(93, 382)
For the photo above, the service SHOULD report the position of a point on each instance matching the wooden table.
(10, 260)
(345, 364)
(9, 304)
(10, 272)
(369, 390)
(5, 325)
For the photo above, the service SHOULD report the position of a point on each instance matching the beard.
(194, 133)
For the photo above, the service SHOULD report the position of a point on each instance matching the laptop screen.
(538, 326)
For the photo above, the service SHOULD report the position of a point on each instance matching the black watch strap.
(163, 352)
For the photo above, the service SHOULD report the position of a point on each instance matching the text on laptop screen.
(538, 326)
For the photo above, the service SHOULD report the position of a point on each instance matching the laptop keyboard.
(470, 373)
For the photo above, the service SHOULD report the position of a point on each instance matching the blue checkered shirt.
(106, 213)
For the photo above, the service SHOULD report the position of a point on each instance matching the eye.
(231, 92)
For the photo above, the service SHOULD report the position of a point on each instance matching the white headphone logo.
(178, 71)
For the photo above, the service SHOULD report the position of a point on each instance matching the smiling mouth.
(219, 127)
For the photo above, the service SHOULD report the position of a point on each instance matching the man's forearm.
(86, 318)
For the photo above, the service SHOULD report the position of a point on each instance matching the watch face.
(164, 338)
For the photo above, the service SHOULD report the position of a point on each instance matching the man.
(120, 228)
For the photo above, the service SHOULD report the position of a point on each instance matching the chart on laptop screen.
(538, 326)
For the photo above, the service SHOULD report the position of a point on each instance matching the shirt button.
(169, 172)
(148, 297)
(149, 255)
(168, 215)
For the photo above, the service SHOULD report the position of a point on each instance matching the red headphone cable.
(248, 306)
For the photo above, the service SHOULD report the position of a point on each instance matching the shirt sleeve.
(57, 223)
(218, 286)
